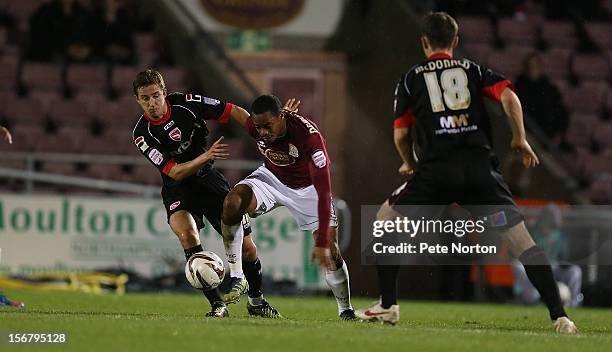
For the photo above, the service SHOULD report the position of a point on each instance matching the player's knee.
(232, 208)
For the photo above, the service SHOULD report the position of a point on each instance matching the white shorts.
(270, 193)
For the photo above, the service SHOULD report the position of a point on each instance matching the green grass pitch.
(165, 322)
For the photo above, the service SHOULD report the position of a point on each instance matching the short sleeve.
(208, 108)
(493, 83)
(402, 112)
(152, 151)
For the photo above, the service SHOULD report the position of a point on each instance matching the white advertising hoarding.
(55, 233)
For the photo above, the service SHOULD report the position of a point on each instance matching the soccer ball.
(204, 270)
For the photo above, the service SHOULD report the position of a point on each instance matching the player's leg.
(338, 278)
(243, 200)
(540, 274)
(185, 228)
(386, 309)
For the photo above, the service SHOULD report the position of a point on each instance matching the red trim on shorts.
(407, 120)
(494, 91)
(165, 118)
(169, 166)
(226, 113)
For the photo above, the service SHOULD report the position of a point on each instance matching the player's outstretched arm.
(6, 134)
(514, 112)
(217, 151)
(239, 115)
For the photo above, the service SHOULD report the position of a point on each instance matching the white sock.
(338, 282)
(256, 300)
(233, 248)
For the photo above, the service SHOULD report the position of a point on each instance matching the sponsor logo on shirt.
(293, 151)
(175, 205)
(175, 134)
(319, 159)
(211, 101)
(168, 125)
(156, 157)
(141, 144)
(279, 158)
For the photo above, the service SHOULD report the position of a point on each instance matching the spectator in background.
(61, 29)
(114, 32)
(547, 235)
(542, 101)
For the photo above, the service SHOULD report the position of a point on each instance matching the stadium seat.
(69, 113)
(22, 10)
(122, 78)
(47, 99)
(87, 78)
(557, 62)
(42, 76)
(55, 143)
(25, 112)
(600, 33)
(100, 171)
(559, 34)
(580, 131)
(145, 174)
(477, 52)
(508, 61)
(513, 32)
(91, 101)
(8, 73)
(122, 138)
(475, 29)
(602, 134)
(595, 165)
(591, 66)
(6, 97)
(24, 138)
(174, 78)
(145, 48)
(98, 145)
(588, 97)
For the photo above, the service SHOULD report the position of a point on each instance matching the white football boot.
(565, 326)
(377, 313)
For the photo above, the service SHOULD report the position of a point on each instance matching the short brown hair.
(440, 28)
(148, 77)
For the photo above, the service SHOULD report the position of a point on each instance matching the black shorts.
(201, 196)
(469, 178)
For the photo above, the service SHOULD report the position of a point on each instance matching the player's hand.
(217, 151)
(292, 105)
(530, 159)
(4, 132)
(405, 170)
(322, 256)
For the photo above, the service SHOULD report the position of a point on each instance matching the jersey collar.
(165, 118)
(435, 56)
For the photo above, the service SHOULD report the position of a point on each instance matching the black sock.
(193, 250)
(213, 296)
(252, 273)
(540, 274)
(387, 284)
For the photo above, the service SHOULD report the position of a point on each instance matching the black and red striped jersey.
(442, 99)
(181, 134)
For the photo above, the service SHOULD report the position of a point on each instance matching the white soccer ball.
(205, 270)
(564, 293)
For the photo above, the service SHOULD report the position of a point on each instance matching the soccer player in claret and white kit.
(295, 174)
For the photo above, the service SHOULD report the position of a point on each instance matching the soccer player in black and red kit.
(440, 103)
(295, 174)
(172, 135)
